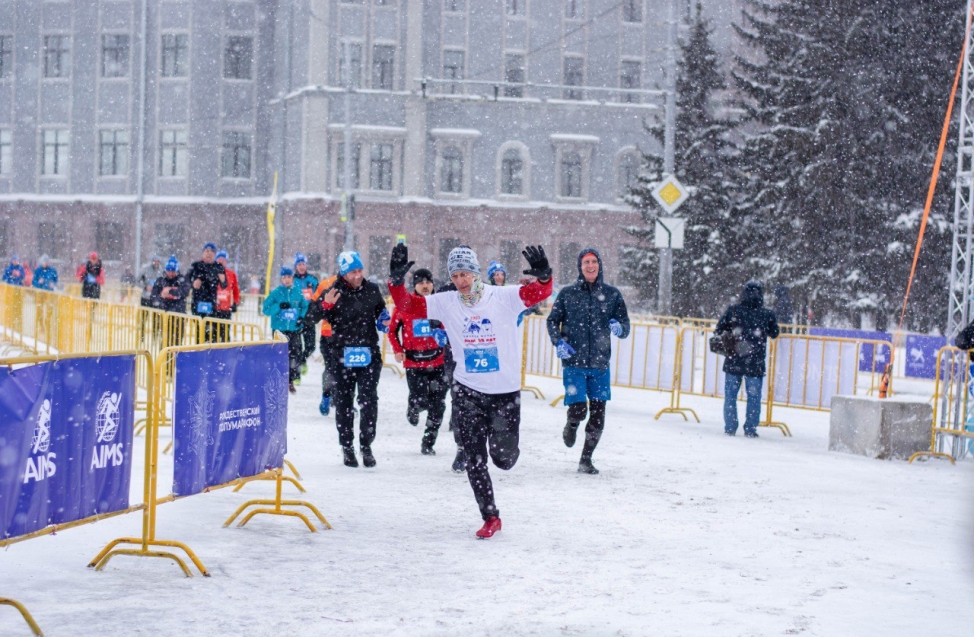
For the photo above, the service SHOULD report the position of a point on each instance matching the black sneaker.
(751, 434)
(569, 434)
(412, 415)
(585, 466)
(427, 450)
(730, 433)
(367, 458)
(350, 459)
(460, 462)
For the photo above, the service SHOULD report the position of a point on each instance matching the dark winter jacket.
(92, 277)
(784, 309)
(581, 316)
(354, 315)
(965, 339)
(177, 289)
(209, 275)
(752, 324)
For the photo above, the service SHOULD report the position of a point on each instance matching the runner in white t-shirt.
(481, 323)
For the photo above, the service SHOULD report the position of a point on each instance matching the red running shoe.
(491, 526)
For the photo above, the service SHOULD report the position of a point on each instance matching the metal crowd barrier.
(952, 428)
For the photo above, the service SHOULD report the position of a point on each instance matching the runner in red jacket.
(418, 344)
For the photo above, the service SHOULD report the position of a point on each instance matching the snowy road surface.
(685, 532)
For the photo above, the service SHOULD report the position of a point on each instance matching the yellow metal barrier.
(148, 545)
(950, 405)
(56, 528)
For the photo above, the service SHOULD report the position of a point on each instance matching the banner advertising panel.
(868, 360)
(921, 355)
(809, 372)
(229, 415)
(65, 441)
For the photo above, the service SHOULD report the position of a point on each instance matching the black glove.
(233, 308)
(399, 264)
(285, 305)
(538, 262)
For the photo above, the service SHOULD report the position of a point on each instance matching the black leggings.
(488, 424)
(594, 427)
(347, 380)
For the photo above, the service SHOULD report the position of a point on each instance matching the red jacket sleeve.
(394, 324)
(412, 304)
(534, 293)
(234, 285)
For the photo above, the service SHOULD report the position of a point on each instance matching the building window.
(568, 262)
(446, 246)
(453, 70)
(574, 9)
(109, 239)
(351, 54)
(453, 6)
(6, 56)
(511, 255)
(353, 164)
(380, 167)
(629, 77)
(173, 153)
(55, 152)
(517, 7)
(571, 175)
(57, 56)
(240, 245)
(175, 55)
(383, 60)
(114, 55)
(574, 76)
(237, 57)
(514, 74)
(169, 238)
(629, 164)
(50, 239)
(451, 170)
(236, 155)
(632, 10)
(380, 247)
(6, 151)
(512, 172)
(113, 153)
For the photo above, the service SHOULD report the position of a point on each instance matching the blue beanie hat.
(300, 258)
(493, 269)
(463, 258)
(15, 257)
(348, 261)
(172, 265)
(222, 254)
(209, 245)
(286, 271)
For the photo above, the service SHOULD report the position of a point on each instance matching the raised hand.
(538, 261)
(332, 296)
(399, 264)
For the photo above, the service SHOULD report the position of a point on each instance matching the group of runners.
(462, 339)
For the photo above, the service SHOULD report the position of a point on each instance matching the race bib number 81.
(421, 327)
(358, 356)
(481, 361)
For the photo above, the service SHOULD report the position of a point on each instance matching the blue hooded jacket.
(751, 324)
(581, 316)
(45, 278)
(14, 274)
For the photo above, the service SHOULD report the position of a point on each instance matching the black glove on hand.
(285, 305)
(538, 262)
(399, 264)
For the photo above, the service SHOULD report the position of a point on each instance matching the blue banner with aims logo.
(229, 415)
(65, 441)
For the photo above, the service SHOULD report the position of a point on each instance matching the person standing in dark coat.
(353, 307)
(752, 325)
(92, 277)
(784, 309)
(169, 292)
(581, 321)
(206, 276)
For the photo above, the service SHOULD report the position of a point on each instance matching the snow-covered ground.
(685, 532)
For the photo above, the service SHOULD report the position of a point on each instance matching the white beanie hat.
(463, 258)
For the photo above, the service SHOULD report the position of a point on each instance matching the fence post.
(772, 369)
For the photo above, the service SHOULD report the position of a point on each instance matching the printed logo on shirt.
(480, 345)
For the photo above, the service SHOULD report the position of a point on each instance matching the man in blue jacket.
(307, 283)
(45, 276)
(752, 325)
(286, 306)
(581, 321)
(14, 273)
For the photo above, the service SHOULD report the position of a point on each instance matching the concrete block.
(879, 428)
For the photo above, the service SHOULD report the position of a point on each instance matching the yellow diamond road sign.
(670, 193)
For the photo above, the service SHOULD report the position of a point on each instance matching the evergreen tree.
(706, 268)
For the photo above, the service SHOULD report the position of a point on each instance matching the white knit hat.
(463, 258)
